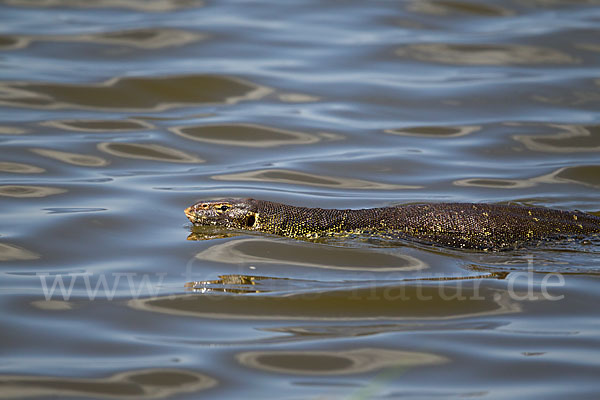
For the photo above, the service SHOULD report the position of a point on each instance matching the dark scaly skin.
(458, 225)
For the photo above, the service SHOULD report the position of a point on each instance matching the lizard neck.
(286, 220)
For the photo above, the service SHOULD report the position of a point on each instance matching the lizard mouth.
(190, 214)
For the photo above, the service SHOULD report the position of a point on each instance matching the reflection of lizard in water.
(458, 225)
(265, 284)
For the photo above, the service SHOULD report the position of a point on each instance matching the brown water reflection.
(566, 139)
(154, 152)
(143, 38)
(83, 125)
(305, 178)
(136, 384)
(443, 7)
(297, 98)
(12, 130)
(139, 5)
(248, 135)
(10, 252)
(138, 38)
(82, 160)
(29, 191)
(123, 94)
(435, 131)
(19, 168)
(449, 300)
(8, 42)
(586, 175)
(335, 362)
(53, 305)
(484, 54)
(302, 254)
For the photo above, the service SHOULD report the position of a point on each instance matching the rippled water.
(115, 115)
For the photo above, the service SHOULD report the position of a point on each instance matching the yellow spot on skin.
(575, 217)
(536, 219)
(529, 212)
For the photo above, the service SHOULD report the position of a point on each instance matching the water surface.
(116, 115)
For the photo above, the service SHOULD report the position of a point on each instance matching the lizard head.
(229, 213)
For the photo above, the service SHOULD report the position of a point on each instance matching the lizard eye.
(224, 208)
